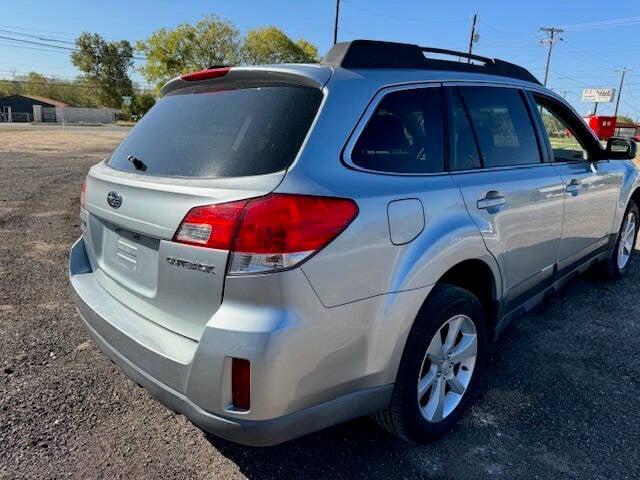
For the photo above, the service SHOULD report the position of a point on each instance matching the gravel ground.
(559, 399)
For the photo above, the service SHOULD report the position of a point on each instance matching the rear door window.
(502, 125)
(220, 133)
(405, 134)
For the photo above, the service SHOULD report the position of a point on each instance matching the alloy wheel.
(447, 368)
(627, 236)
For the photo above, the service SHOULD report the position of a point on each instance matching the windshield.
(229, 133)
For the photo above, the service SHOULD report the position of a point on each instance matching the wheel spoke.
(621, 260)
(435, 405)
(629, 243)
(426, 381)
(455, 385)
(452, 333)
(631, 226)
(435, 347)
(466, 348)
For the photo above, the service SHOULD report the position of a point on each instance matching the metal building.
(19, 108)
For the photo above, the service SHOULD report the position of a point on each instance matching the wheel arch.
(635, 196)
(629, 190)
(476, 276)
(481, 276)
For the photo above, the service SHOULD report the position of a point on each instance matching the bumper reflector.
(241, 383)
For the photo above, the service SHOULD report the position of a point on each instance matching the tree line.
(106, 66)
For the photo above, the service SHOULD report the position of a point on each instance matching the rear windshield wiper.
(137, 163)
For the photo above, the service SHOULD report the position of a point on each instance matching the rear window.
(404, 135)
(224, 133)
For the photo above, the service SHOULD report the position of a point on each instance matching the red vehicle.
(606, 127)
(603, 126)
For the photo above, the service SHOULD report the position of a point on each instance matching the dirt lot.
(559, 399)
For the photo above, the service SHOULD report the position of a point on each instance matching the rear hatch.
(197, 146)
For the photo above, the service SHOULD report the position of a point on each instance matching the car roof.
(377, 64)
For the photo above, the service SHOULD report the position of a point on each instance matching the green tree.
(106, 66)
(79, 92)
(10, 87)
(37, 84)
(623, 119)
(141, 102)
(170, 53)
(309, 49)
(272, 45)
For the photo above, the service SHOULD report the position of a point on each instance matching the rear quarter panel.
(363, 262)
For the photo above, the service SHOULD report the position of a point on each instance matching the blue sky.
(589, 56)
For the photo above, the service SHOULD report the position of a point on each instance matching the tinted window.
(404, 135)
(502, 125)
(225, 133)
(562, 139)
(464, 151)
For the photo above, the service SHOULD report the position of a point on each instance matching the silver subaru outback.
(276, 249)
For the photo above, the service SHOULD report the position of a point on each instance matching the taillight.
(279, 231)
(268, 233)
(207, 74)
(83, 192)
(211, 226)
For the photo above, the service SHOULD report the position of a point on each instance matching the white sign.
(598, 95)
(126, 101)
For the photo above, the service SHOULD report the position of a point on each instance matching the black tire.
(609, 269)
(403, 417)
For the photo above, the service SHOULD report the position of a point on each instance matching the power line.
(597, 25)
(59, 47)
(26, 29)
(38, 37)
(589, 58)
(75, 85)
(505, 33)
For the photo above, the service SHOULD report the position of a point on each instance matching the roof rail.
(377, 54)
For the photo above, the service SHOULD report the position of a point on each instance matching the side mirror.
(621, 149)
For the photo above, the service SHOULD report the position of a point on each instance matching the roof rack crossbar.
(377, 54)
(455, 53)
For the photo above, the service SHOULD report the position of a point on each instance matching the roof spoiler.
(245, 77)
(376, 54)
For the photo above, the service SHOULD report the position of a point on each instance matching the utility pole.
(553, 35)
(335, 25)
(474, 35)
(615, 114)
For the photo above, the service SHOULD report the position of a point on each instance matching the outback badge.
(201, 267)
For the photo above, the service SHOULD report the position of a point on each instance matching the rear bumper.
(247, 432)
(189, 377)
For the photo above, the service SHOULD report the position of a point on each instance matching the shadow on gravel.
(352, 449)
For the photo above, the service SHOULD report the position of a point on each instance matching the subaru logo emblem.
(114, 199)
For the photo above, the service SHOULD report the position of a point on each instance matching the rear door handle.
(574, 186)
(491, 199)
